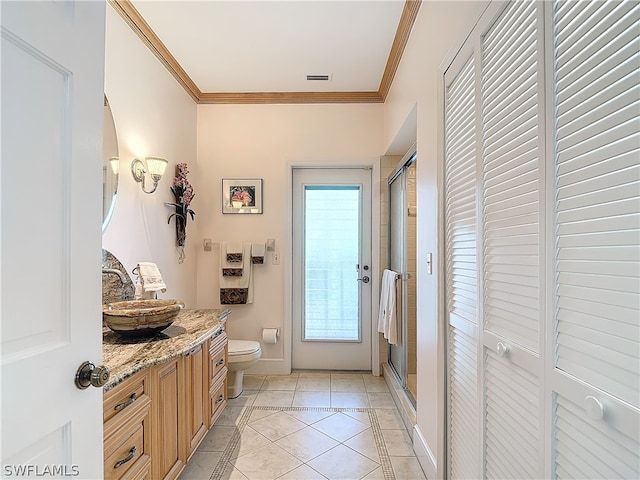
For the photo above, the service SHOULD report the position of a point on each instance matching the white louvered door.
(510, 203)
(461, 272)
(542, 243)
(595, 298)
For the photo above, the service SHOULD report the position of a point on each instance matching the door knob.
(364, 279)
(89, 374)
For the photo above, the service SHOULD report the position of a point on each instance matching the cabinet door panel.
(167, 458)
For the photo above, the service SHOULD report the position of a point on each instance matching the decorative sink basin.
(140, 317)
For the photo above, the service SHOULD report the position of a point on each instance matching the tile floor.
(308, 426)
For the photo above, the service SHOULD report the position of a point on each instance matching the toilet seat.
(242, 347)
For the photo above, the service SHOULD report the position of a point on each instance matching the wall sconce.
(115, 164)
(156, 168)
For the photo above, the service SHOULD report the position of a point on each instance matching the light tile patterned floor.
(308, 426)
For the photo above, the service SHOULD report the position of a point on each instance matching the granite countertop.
(126, 356)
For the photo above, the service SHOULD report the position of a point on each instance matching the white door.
(332, 269)
(52, 97)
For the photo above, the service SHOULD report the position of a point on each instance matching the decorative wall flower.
(183, 192)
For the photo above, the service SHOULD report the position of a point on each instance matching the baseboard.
(270, 366)
(424, 454)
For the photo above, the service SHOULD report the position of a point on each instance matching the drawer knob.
(122, 405)
(132, 454)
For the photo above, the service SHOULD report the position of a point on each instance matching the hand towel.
(140, 294)
(257, 253)
(234, 251)
(236, 289)
(387, 318)
(150, 277)
(229, 266)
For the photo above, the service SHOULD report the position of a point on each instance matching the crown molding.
(408, 18)
(290, 97)
(138, 24)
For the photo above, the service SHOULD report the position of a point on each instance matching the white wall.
(440, 27)
(262, 141)
(154, 116)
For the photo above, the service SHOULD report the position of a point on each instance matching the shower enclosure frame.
(398, 355)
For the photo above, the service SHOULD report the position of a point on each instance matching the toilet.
(242, 355)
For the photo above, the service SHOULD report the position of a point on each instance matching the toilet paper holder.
(270, 335)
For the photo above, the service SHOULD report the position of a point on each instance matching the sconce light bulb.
(115, 165)
(156, 168)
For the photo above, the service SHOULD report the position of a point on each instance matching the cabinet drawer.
(124, 396)
(218, 395)
(218, 361)
(127, 451)
(217, 340)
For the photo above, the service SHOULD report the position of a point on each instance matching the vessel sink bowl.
(140, 317)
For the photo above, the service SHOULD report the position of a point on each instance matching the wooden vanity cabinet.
(159, 416)
(127, 426)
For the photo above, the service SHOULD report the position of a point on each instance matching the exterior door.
(332, 269)
(52, 100)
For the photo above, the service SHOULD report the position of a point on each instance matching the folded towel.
(236, 289)
(230, 267)
(387, 318)
(150, 277)
(234, 251)
(257, 253)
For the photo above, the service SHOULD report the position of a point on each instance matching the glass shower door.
(397, 228)
(402, 259)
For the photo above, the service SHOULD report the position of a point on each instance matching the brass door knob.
(89, 374)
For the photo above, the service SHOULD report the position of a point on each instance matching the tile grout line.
(231, 446)
(383, 453)
(385, 460)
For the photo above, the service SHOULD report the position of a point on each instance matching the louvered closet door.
(461, 271)
(596, 293)
(512, 145)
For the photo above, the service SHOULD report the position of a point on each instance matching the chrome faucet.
(114, 271)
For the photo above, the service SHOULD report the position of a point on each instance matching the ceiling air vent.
(318, 77)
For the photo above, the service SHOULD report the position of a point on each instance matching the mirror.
(110, 166)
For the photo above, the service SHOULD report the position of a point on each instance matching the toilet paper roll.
(270, 335)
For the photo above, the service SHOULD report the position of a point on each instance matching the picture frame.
(241, 195)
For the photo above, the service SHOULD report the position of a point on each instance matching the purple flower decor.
(183, 192)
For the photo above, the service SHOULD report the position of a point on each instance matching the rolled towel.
(257, 253)
(150, 277)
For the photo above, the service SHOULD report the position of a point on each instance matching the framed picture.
(241, 195)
